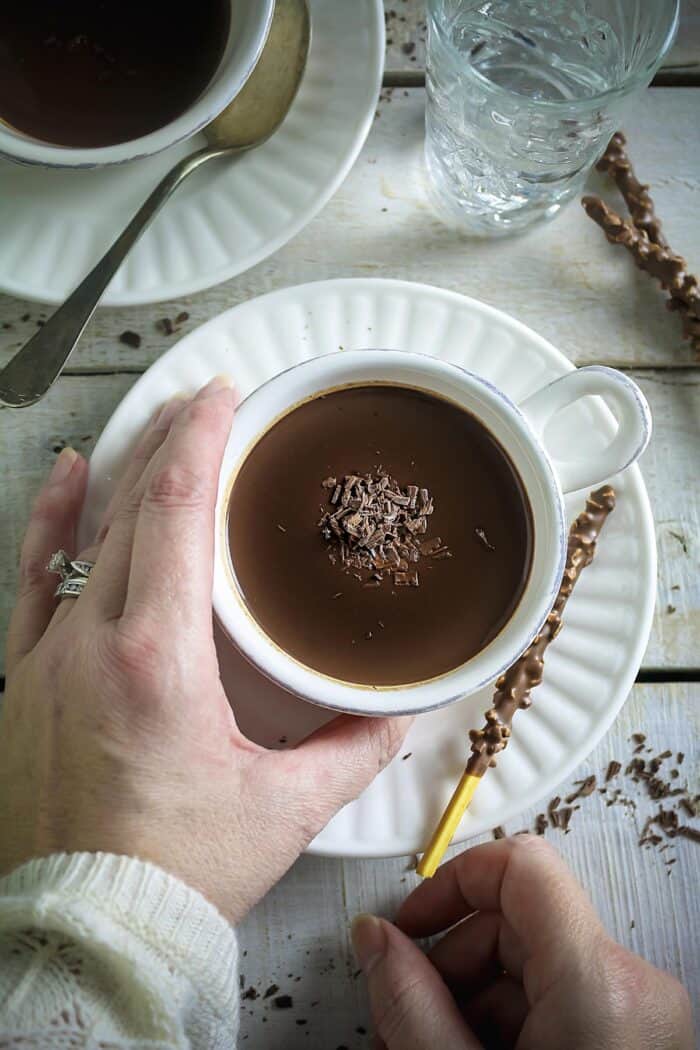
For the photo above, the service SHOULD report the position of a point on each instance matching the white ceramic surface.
(226, 218)
(250, 22)
(516, 429)
(589, 668)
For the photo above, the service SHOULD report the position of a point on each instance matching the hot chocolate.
(83, 73)
(380, 535)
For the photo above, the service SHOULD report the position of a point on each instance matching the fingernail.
(169, 410)
(368, 940)
(215, 385)
(63, 465)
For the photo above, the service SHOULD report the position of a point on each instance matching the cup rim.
(241, 627)
(222, 88)
(641, 76)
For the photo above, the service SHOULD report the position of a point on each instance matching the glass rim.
(619, 89)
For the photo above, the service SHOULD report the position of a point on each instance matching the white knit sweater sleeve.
(110, 953)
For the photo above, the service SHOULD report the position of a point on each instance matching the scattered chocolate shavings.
(689, 833)
(132, 339)
(498, 832)
(482, 536)
(272, 990)
(689, 807)
(540, 824)
(373, 526)
(613, 769)
(283, 1002)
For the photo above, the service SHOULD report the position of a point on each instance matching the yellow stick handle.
(442, 836)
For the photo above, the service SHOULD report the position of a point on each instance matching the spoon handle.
(38, 364)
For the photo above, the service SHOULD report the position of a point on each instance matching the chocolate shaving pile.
(641, 236)
(513, 688)
(375, 529)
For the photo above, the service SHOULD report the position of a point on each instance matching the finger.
(337, 762)
(411, 1006)
(52, 527)
(172, 561)
(524, 879)
(498, 1012)
(476, 951)
(150, 442)
(107, 589)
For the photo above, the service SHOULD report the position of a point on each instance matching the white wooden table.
(566, 282)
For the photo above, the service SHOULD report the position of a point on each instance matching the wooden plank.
(563, 278)
(76, 410)
(298, 936)
(406, 32)
(670, 469)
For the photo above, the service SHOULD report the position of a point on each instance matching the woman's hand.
(116, 732)
(526, 963)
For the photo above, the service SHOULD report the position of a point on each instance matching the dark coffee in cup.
(379, 535)
(84, 73)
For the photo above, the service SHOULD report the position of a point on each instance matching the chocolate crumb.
(688, 807)
(407, 755)
(482, 536)
(25, 317)
(132, 339)
(670, 609)
(586, 787)
(301, 1021)
(564, 816)
(689, 833)
(281, 527)
(679, 758)
(283, 1002)
(250, 993)
(498, 832)
(165, 325)
(540, 824)
(360, 1030)
(272, 990)
(613, 769)
(182, 317)
(632, 924)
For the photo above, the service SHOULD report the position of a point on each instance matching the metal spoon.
(252, 117)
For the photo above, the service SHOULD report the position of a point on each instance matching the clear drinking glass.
(523, 96)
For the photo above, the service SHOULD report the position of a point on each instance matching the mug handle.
(628, 405)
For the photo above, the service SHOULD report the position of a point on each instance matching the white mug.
(518, 428)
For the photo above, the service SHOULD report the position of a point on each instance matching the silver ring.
(74, 574)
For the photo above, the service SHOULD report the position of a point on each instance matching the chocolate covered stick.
(513, 688)
(662, 263)
(616, 163)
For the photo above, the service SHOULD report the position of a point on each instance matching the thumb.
(340, 759)
(412, 1008)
